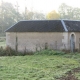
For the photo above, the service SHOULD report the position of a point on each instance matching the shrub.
(11, 52)
(2, 51)
(49, 52)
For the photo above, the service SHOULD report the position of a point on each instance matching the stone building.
(40, 34)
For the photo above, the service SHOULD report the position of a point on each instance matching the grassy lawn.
(38, 67)
(2, 42)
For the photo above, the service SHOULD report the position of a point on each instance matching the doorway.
(72, 43)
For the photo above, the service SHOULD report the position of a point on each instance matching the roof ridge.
(64, 26)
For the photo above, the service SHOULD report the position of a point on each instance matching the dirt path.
(70, 74)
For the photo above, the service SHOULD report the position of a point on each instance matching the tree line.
(65, 12)
(9, 15)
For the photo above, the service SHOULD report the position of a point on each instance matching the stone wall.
(32, 41)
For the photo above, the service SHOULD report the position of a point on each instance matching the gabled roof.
(45, 26)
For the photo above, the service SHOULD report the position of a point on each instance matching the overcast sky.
(43, 5)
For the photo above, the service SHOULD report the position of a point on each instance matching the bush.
(10, 52)
(49, 52)
(7, 51)
(2, 51)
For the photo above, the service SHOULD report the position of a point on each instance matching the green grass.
(44, 65)
(38, 67)
(2, 42)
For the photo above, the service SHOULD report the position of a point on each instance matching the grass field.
(2, 42)
(38, 67)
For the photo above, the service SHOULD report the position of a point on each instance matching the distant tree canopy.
(9, 15)
(68, 12)
(53, 15)
(30, 15)
(65, 12)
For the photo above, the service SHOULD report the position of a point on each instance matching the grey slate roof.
(45, 26)
(72, 26)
